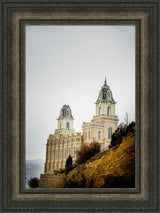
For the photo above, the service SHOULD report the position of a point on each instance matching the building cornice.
(108, 101)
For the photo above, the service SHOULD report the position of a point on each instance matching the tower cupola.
(105, 94)
(105, 104)
(65, 112)
(65, 121)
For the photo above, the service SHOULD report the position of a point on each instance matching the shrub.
(87, 151)
(69, 166)
(33, 182)
(120, 133)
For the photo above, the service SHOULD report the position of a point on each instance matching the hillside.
(112, 168)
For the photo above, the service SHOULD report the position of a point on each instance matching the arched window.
(99, 135)
(100, 110)
(67, 125)
(104, 96)
(60, 153)
(74, 151)
(69, 151)
(88, 135)
(48, 154)
(52, 154)
(108, 95)
(67, 113)
(109, 110)
(56, 154)
(109, 133)
(55, 165)
(85, 135)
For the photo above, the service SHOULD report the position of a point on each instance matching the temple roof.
(65, 112)
(105, 94)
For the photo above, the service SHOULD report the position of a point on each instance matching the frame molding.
(15, 16)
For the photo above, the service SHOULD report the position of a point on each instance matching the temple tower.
(105, 122)
(65, 121)
(105, 104)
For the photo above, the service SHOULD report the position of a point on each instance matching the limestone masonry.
(65, 141)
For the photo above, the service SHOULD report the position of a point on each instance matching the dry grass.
(114, 168)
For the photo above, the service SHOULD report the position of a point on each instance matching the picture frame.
(15, 16)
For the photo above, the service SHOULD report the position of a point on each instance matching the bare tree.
(126, 119)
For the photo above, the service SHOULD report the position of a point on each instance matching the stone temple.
(65, 141)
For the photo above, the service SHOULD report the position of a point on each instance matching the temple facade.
(65, 141)
(105, 122)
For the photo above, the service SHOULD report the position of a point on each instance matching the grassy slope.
(113, 168)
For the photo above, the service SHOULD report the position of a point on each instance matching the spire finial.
(105, 82)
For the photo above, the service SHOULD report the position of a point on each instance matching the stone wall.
(51, 181)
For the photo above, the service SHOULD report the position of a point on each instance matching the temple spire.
(105, 82)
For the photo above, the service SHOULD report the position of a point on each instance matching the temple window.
(100, 110)
(109, 111)
(69, 151)
(85, 135)
(67, 125)
(99, 135)
(104, 96)
(60, 153)
(109, 133)
(56, 154)
(49, 155)
(74, 151)
(65, 153)
(52, 154)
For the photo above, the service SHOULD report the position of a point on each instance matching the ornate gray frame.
(14, 17)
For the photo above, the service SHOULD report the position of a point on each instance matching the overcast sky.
(68, 65)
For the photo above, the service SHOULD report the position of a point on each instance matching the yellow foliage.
(115, 168)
